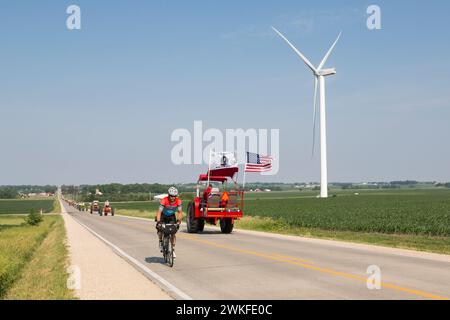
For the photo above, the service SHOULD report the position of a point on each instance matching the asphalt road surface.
(245, 265)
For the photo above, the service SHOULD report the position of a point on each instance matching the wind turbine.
(319, 80)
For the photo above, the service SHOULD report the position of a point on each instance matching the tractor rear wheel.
(226, 225)
(191, 222)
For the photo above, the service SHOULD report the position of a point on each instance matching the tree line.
(119, 192)
(15, 192)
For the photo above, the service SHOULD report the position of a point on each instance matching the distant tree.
(8, 193)
(34, 218)
(12, 192)
(404, 183)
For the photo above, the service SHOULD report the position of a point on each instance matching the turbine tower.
(319, 80)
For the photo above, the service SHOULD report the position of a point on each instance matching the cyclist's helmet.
(173, 192)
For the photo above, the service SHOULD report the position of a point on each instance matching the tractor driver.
(207, 193)
(170, 211)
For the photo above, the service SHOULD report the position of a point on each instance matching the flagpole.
(245, 173)
(209, 166)
(243, 184)
(237, 164)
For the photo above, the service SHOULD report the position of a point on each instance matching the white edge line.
(130, 217)
(139, 265)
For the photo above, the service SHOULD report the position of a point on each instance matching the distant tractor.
(108, 210)
(216, 203)
(82, 206)
(95, 207)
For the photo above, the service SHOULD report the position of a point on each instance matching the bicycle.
(169, 230)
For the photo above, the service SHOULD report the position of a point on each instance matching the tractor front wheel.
(226, 225)
(201, 225)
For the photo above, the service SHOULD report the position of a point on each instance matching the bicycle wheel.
(166, 248)
(170, 254)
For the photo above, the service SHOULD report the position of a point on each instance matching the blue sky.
(99, 104)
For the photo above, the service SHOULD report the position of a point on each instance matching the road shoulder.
(103, 274)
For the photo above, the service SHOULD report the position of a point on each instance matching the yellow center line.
(272, 256)
(298, 262)
(289, 260)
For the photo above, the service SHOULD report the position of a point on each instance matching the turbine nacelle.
(318, 71)
(326, 72)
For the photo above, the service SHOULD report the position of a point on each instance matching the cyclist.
(170, 211)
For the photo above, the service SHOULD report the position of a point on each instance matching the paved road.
(246, 265)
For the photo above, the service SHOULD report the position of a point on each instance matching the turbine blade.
(314, 116)
(308, 63)
(324, 60)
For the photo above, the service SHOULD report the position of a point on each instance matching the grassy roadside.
(17, 244)
(33, 259)
(7, 221)
(45, 276)
(56, 206)
(403, 241)
(137, 213)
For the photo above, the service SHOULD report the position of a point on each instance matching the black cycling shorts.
(168, 219)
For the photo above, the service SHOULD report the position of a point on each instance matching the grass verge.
(137, 213)
(45, 276)
(33, 261)
(56, 206)
(17, 245)
(8, 221)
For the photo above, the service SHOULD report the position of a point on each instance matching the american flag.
(258, 163)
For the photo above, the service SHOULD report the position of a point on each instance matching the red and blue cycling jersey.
(170, 208)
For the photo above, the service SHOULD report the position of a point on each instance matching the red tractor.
(95, 207)
(108, 210)
(221, 200)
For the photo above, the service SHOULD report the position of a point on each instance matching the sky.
(99, 104)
